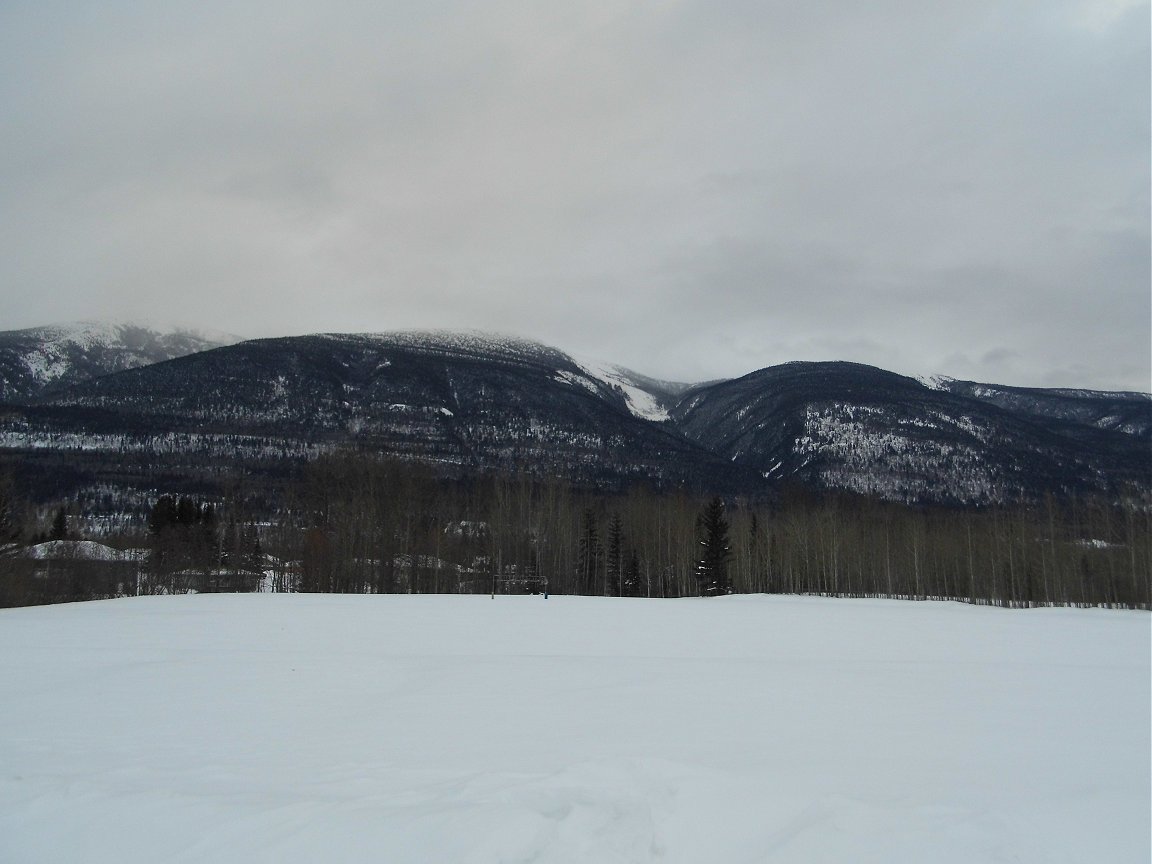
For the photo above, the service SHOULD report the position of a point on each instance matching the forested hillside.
(358, 524)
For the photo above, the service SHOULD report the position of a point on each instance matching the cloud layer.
(694, 189)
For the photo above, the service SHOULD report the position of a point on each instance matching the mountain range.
(40, 360)
(134, 404)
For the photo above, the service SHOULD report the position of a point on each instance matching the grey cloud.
(693, 189)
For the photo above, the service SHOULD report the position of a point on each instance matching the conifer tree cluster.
(183, 539)
(190, 550)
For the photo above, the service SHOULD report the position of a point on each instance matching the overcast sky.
(691, 188)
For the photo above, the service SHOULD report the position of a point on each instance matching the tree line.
(358, 524)
(353, 523)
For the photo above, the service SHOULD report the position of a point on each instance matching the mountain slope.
(1126, 412)
(474, 402)
(41, 360)
(855, 427)
(464, 399)
(648, 398)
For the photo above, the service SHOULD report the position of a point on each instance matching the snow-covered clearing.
(293, 728)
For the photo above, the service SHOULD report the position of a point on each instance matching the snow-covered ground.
(288, 728)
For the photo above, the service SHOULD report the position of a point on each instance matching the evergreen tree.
(59, 526)
(184, 537)
(615, 562)
(9, 526)
(206, 541)
(631, 586)
(162, 548)
(230, 544)
(251, 555)
(187, 512)
(162, 515)
(712, 568)
(588, 555)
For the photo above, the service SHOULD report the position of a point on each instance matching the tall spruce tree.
(588, 556)
(712, 568)
(615, 562)
(631, 579)
(10, 529)
(59, 526)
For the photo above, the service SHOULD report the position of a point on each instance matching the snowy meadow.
(305, 728)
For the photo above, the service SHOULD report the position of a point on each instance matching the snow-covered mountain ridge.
(645, 397)
(1124, 411)
(40, 359)
(466, 400)
(478, 402)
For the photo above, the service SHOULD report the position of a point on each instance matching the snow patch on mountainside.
(869, 450)
(640, 402)
(46, 365)
(935, 382)
(566, 377)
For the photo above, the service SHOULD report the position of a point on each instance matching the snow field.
(284, 728)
